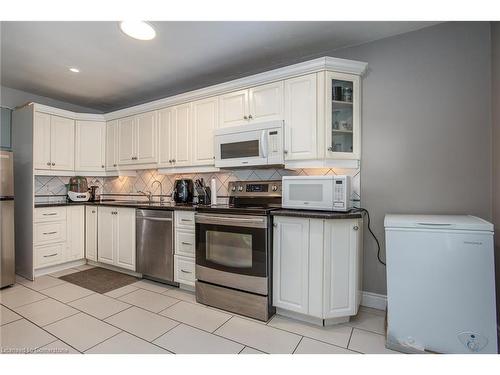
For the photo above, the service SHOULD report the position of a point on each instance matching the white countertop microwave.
(325, 193)
(249, 145)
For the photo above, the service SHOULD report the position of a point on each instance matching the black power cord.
(364, 210)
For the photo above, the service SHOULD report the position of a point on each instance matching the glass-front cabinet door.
(342, 116)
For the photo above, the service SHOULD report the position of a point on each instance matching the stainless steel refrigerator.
(7, 251)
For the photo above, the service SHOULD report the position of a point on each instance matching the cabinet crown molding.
(306, 67)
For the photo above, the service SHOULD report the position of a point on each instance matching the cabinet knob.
(250, 117)
(114, 165)
(48, 163)
(102, 166)
(285, 152)
(355, 227)
(173, 160)
(53, 164)
(245, 117)
(330, 148)
(93, 211)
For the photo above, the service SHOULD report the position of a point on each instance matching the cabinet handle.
(245, 117)
(53, 164)
(188, 220)
(186, 243)
(114, 165)
(51, 214)
(49, 232)
(93, 211)
(185, 271)
(285, 152)
(51, 255)
(355, 227)
(330, 148)
(250, 117)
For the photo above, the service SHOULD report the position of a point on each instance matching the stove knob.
(240, 188)
(274, 188)
(233, 188)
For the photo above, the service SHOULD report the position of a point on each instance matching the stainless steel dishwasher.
(155, 244)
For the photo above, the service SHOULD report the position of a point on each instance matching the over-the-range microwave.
(326, 193)
(249, 145)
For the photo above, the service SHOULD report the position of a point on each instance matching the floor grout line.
(296, 346)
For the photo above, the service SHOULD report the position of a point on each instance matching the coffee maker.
(183, 191)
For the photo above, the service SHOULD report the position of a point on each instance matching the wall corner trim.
(374, 300)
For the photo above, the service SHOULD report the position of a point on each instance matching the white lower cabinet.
(317, 266)
(91, 233)
(59, 235)
(116, 236)
(75, 229)
(184, 248)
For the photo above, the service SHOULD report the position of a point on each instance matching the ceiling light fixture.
(138, 29)
(74, 70)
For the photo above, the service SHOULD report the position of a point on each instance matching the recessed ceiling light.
(138, 29)
(74, 70)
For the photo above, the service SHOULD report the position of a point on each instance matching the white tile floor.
(53, 316)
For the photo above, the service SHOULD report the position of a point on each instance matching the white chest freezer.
(440, 284)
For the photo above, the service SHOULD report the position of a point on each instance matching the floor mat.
(100, 280)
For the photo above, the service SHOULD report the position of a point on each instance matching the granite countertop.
(168, 206)
(317, 214)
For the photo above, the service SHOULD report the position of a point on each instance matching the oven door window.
(232, 249)
(229, 249)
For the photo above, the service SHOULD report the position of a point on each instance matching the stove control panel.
(255, 188)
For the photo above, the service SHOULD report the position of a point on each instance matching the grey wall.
(426, 136)
(12, 98)
(495, 102)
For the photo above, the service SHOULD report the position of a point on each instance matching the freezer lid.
(444, 222)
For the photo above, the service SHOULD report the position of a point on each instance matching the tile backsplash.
(48, 188)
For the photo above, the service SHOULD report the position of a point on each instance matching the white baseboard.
(374, 300)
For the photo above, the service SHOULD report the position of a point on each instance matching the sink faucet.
(147, 193)
(162, 198)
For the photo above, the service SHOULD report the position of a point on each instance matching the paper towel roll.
(213, 191)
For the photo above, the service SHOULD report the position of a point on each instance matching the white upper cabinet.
(126, 140)
(342, 116)
(41, 141)
(90, 142)
(174, 125)
(165, 124)
(62, 143)
(137, 139)
(233, 108)
(204, 122)
(301, 135)
(112, 145)
(54, 142)
(257, 104)
(266, 102)
(146, 136)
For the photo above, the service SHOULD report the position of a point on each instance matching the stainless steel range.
(233, 250)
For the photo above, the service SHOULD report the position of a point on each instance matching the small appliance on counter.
(78, 189)
(203, 192)
(93, 193)
(183, 191)
(325, 193)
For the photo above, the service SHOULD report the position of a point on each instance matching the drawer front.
(184, 243)
(184, 270)
(50, 214)
(50, 232)
(184, 219)
(49, 254)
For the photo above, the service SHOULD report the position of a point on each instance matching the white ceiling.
(117, 71)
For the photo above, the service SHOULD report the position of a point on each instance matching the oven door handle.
(259, 222)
